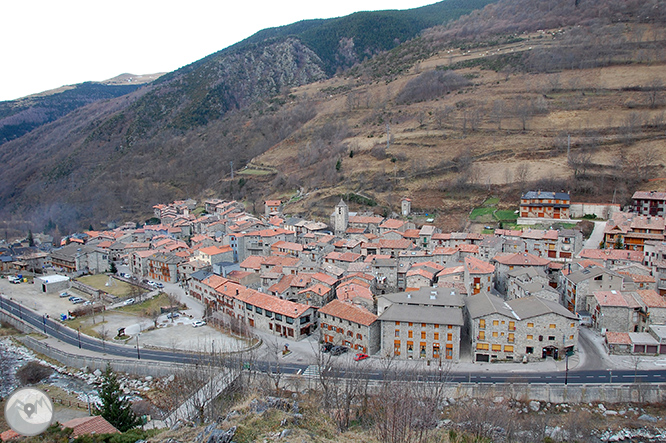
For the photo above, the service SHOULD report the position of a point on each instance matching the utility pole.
(232, 169)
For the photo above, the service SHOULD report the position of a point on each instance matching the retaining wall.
(571, 393)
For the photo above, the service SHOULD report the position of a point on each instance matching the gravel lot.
(178, 334)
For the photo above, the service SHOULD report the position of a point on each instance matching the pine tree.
(115, 406)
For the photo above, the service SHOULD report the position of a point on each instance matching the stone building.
(577, 286)
(422, 324)
(524, 329)
(346, 324)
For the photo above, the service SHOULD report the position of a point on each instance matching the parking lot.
(176, 334)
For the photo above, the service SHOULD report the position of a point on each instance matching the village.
(377, 286)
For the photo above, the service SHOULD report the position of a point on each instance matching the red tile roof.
(612, 254)
(89, 425)
(618, 338)
(348, 311)
(521, 259)
(652, 299)
(615, 299)
(476, 266)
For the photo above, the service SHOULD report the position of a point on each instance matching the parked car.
(64, 294)
(326, 347)
(77, 300)
(197, 323)
(360, 356)
(129, 301)
(14, 280)
(72, 297)
(125, 275)
(339, 350)
(159, 285)
(171, 315)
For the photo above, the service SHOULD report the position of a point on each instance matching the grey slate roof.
(546, 194)
(587, 273)
(428, 296)
(423, 314)
(483, 304)
(534, 306)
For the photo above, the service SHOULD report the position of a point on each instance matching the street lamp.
(79, 333)
(44, 322)
(138, 354)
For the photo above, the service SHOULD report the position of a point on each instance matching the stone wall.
(571, 393)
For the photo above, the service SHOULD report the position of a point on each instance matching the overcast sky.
(45, 44)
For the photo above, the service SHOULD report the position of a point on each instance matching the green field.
(482, 214)
(506, 215)
(99, 281)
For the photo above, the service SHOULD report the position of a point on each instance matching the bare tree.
(522, 175)
(497, 113)
(653, 90)
(103, 335)
(273, 370)
(152, 315)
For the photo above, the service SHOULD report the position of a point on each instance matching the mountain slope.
(18, 117)
(176, 136)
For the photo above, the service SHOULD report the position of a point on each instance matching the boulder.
(535, 406)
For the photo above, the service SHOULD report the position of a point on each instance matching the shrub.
(32, 373)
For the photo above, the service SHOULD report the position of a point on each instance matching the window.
(410, 334)
(449, 352)
(495, 322)
(482, 346)
(552, 326)
(423, 325)
(530, 325)
(508, 348)
(423, 335)
(573, 325)
(512, 326)
(529, 350)
(422, 352)
(530, 337)
(497, 348)
(435, 351)
(551, 337)
(449, 327)
(350, 333)
(482, 335)
(278, 317)
(436, 335)
(396, 347)
(495, 334)
(248, 306)
(449, 337)
(397, 323)
(510, 338)
(411, 324)
(571, 337)
(436, 326)
(268, 314)
(291, 321)
(397, 332)
(259, 310)
(359, 336)
(482, 324)
(410, 347)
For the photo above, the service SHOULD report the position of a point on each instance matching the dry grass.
(595, 101)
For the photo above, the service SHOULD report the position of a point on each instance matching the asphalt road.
(72, 337)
